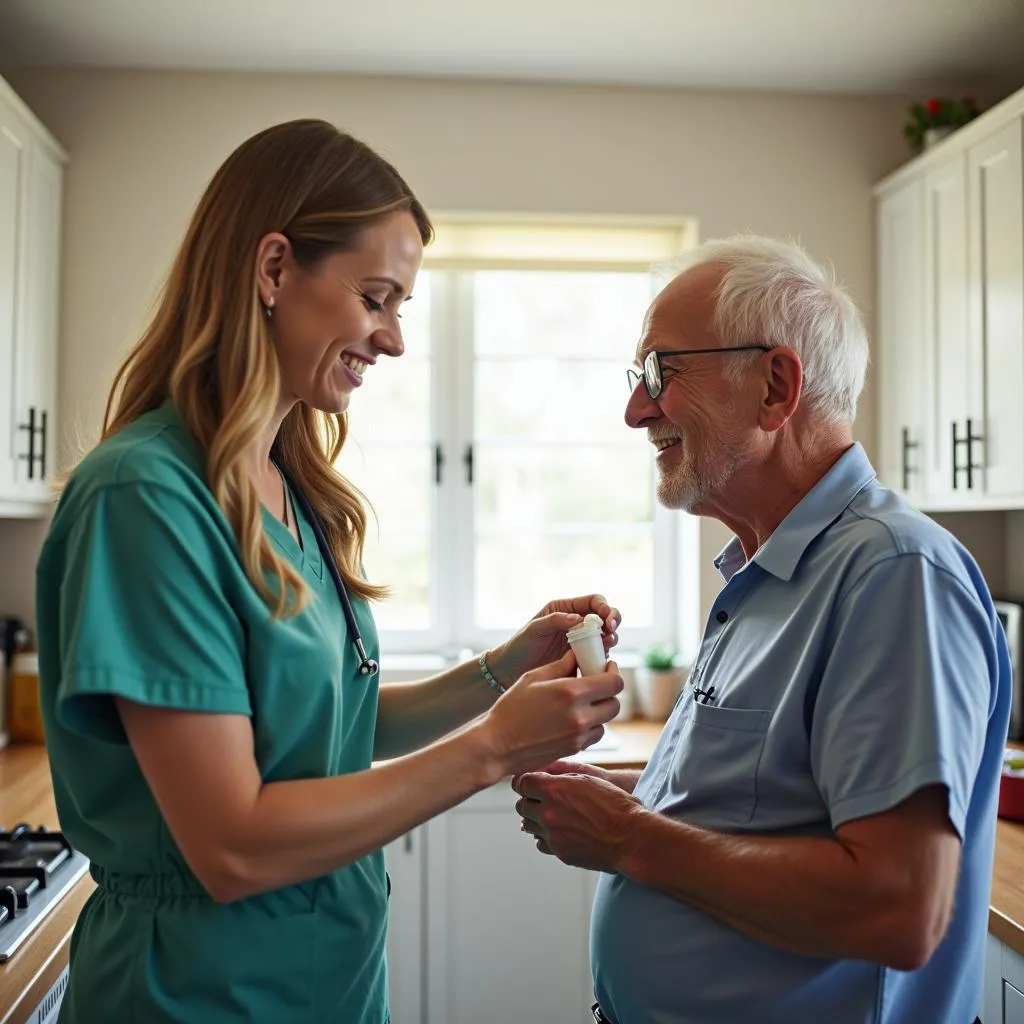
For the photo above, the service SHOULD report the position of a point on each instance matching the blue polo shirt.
(855, 659)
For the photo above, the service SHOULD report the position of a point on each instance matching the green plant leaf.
(660, 657)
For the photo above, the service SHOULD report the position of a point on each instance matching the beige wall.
(142, 145)
(1014, 582)
(989, 537)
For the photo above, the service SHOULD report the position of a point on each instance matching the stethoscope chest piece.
(367, 666)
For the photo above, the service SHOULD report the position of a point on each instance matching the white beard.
(703, 470)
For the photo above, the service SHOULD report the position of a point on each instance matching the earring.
(269, 309)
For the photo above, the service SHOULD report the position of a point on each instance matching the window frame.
(452, 631)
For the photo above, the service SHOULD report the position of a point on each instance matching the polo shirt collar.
(823, 504)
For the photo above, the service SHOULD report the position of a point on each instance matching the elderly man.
(812, 840)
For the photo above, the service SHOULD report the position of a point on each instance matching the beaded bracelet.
(491, 681)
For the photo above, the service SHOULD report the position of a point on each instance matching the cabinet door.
(13, 160)
(902, 358)
(406, 867)
(991, 1011)
(35, 347)
(1013, 1005)
(508, 928)
(945, 312)
(996, 185)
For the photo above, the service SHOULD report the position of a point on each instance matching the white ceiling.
(900, 46)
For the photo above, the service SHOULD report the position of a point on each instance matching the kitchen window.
(494, 452)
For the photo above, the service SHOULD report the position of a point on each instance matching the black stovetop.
(37, 867)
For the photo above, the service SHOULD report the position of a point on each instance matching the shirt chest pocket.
(714, 778)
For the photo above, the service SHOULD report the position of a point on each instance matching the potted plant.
(658, 681)
(936, 118)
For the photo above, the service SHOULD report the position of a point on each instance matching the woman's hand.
(548, 714)
(542, 640)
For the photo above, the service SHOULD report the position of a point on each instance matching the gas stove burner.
(37, 868)
(33, 852)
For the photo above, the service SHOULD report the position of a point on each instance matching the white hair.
(774, 292)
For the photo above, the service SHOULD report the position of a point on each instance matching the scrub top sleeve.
(144, 614)
(905, 694)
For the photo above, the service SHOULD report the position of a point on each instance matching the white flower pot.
(656, 691)
(626, 702)
(933, 136)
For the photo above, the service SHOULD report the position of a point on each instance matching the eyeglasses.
(654, 378)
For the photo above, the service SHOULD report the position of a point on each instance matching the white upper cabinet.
(31, 188)
(903, 413)
(954, 381)
(950, 338)
(997, 303)
(13, 160)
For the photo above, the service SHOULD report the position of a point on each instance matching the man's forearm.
(807, 895)
(625, 778)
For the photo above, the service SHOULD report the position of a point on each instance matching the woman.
(209, 728)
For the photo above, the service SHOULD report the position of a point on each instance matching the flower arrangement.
(938, 113)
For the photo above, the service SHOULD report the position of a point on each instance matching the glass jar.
(24, 707)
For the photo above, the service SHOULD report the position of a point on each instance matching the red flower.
(933, 106)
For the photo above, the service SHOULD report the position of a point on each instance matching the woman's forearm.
(242, 835)
(412, 715)
(302, 829)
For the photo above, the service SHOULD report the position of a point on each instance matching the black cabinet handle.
(42, 447)
(468, 461)
(908, 446)
(438, 463)
(408, 842)
(971, 439)
(30, 458)
(967, 441)
(956, 450)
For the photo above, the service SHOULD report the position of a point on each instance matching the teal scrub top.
(141, 594)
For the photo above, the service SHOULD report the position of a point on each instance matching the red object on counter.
(1011, 797)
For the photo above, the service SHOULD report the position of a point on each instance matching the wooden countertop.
(26, 794)
(635, 742)
(1006, 913)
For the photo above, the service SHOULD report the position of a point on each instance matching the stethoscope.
(367, 666)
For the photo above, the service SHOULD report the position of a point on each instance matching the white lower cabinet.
(497, 932)
(1013, 1004)
(406, 917)
(1004, 984)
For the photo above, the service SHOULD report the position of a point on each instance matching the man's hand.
(625, 778)
(583, 820)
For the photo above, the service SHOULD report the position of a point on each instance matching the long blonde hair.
(208, 346)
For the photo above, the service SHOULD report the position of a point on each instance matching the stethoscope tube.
(367, 666)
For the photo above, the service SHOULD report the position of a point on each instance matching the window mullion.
(685, 586)
(444, 399)
(666, 559)
(463, 404)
